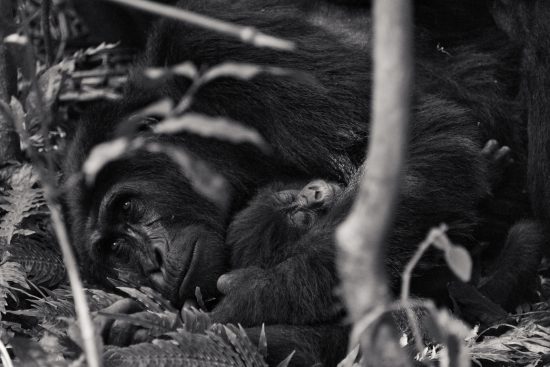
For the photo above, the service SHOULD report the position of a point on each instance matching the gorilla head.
(142, 222)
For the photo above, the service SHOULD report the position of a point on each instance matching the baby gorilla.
(264, 233)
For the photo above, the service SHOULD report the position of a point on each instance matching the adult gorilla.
(142, 217)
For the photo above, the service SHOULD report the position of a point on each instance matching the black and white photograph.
(282, 183)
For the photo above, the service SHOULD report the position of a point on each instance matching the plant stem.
(245, 34)
(46, 31)
(6, 360)
(362, 235)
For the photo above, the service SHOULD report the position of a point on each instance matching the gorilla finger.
(503, 154)
(490, 147)
(226, 283)
(190, 303)
(122, 333)
(141, 336)
(103, 325)
(126, 305)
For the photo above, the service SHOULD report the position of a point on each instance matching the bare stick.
(91, 350)
(245, 34)
(362, 235)
(6, 359)
(9, 141)
(46, 31)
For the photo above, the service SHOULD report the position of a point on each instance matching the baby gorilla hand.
(119, 332)
(126, 322)
(498, 159)
(244, 292)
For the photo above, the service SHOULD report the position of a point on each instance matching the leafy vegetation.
(37, 308)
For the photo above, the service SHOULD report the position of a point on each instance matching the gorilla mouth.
(188, 270)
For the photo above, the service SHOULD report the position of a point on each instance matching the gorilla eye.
(129, 208)
(126, 206)
(119, 249)
(116, 245)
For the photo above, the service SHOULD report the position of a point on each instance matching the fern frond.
(58, 306)
(239, 341)
(195, 321)
(21, 201)
(41, 261)
(219, 345)
(190, 350)
(10, 274)
(151, 299)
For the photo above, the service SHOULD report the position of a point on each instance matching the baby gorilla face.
(305, 206)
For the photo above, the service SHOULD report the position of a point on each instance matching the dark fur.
(268, 249)
(463, 96)
(527, 24)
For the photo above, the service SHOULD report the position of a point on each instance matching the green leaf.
(212, 127)
(459, 261)
(186, 69)
(285, 362)
(244, 71)
(441, 241)
(262, 343)
(351, 358)
(101, 155)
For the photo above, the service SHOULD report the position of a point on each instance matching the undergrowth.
(37, 311)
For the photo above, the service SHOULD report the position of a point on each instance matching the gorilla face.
(145, 225)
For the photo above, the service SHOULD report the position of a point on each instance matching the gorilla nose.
(157, 280)
(159, 256)
(154, 267)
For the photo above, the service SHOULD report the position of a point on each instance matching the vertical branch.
(46, 31)
(92, 349)
(362, 235)
(9, 140)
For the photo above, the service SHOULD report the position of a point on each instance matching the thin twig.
(87, 331)
(406, 278)
(245, 34)
(46, 31)
(6, 359)
(9, 141)
(40, 105)
(405, 290)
